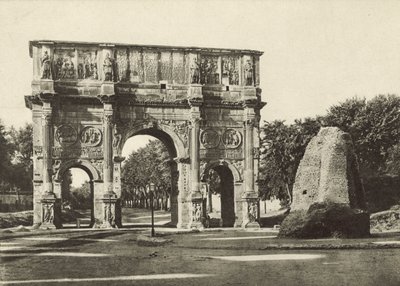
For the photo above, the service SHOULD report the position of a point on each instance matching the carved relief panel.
(136, 66)
(150, 66)
(166, 66)
(121, 65)
(232, 138)
(178, 68)
(66, 135)
(221, 143)
(64, 64)
(87, 64)
(209, 138)
(209, 70)
(230, 69)
(90, 136)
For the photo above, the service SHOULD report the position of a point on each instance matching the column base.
(197, 211)
(250, 210)
(50, 213)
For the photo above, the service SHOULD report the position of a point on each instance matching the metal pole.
(152, 214)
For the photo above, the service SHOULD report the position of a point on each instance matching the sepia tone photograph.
(200, 142)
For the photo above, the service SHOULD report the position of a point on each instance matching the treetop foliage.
(373, 124)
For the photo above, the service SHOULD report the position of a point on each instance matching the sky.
(316, 53)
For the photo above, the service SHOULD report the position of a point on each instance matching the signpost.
(152, 189)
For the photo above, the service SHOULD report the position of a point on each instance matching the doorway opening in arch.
(219, 197)
(148, 167)
(77, 198)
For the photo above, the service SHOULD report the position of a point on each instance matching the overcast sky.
(316, 53)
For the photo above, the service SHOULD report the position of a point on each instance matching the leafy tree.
(375, 128)
(22, 169)
(282, 147)
(144, 166)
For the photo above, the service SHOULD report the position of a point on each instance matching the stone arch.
(211, 164)
(163, 132)
(78, 163)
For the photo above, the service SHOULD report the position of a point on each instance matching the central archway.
(172, 145)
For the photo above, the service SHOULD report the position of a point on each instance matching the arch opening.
(77, 196)
(149, 155)
(219, 201)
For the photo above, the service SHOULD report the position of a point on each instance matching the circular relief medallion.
(232, 138)
(209, 138)
(66, 135)
(90, 136)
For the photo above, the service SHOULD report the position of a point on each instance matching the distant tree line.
(15, 159)
(375, 129)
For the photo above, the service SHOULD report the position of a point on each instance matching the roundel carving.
(232, 138)
(66, 135)
(209, 138)
(90, 136)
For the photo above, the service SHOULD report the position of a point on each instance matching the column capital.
(107, 98)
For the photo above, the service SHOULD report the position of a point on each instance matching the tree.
(144, 166)
(5, 156)
(282, 147)
(22, 169)
(375, 129)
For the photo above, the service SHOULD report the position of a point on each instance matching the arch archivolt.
(177, 134)
(235, 166)
(93, 172)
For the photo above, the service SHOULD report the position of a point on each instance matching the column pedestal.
(109, 203)
(250, 211)
(196, 211)
(49, 212)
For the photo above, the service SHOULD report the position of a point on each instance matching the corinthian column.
(109, 197)
(250, 197)
(48, 200)
(107, 147)
(47, 147)
(197, 205)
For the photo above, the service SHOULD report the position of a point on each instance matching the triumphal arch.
(202, 103)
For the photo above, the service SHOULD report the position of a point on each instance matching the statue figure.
(194, 72)
(108, 68)
(46, 74)
(248, 73)
(48, 215)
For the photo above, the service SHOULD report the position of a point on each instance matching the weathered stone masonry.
(89, 98)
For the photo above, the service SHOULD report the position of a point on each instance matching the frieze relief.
(87, 65)
(122, 65)
(66, 135)
(230, 69)
(90, 136)
(64, 64)
(209, 70)
(84, 152)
